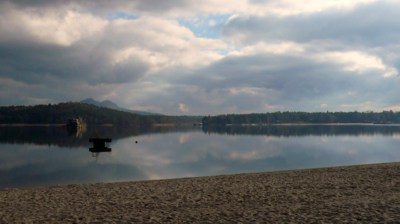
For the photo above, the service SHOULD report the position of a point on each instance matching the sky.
(187, 57)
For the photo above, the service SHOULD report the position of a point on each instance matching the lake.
(45, 156)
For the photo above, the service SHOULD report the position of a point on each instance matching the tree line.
(91, 114)
(384, 117)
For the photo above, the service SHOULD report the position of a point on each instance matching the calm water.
(41, 156)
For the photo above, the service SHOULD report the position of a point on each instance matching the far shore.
(314, 124)
(190, 124)
(31, 125)
(351, 194)
(47, 125)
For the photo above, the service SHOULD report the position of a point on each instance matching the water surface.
(43, 156)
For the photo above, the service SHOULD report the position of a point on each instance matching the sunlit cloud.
(64, 27)
(358, 62)
(183, 108)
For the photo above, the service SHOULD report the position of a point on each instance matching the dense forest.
(91, 114)
(385, 117)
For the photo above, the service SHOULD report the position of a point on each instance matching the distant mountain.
(112, 105)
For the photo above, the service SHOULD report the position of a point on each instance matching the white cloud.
(324, 106)
(292, 7)
(164, 44)
(364, 106)
(393, 108)
(358, 62)
(57, 27)
(244, 7)
(273, 48)
(183, 108)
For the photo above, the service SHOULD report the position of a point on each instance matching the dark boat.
(99, 144)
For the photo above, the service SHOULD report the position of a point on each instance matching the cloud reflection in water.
(194, 153)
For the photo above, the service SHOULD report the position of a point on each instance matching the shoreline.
(361, 193)
(228, 125)
(313, 124)
(32, 125)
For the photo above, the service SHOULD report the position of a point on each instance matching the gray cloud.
(294, 77)
(104, 6)
(155, 5)
(38, 3)
(33, 63)
(269, 82)
(372, 24)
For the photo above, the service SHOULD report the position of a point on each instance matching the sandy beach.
(354, 194)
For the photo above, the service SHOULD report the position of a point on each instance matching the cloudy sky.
(203, 57)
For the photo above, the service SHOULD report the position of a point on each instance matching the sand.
(355, 194)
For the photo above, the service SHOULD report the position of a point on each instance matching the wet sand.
(355, 194)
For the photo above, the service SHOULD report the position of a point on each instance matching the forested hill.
(385, 117)
(60, 113)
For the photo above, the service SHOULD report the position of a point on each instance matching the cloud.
(63, 45)
(183, 108)
(358, 62)
(210, 57)
(170, 8)
(192, 7)
(293, 7)
(61, 27)
(58, 47)
(262, 80)
(376, 21)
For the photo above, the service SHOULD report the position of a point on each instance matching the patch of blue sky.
(122, 15)
(205, 26)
